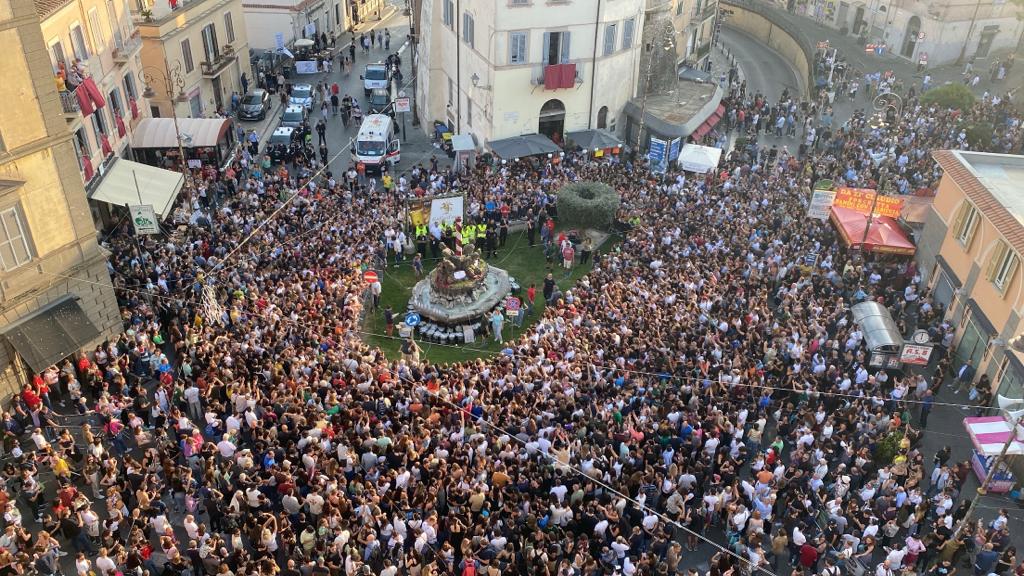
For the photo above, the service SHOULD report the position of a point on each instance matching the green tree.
(954, 95)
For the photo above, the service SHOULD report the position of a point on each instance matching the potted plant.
(147, 15)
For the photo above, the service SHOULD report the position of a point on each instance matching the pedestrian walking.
(387, 40)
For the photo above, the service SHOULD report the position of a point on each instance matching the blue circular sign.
(412, 319)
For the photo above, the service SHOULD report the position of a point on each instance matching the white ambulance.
(377, 143)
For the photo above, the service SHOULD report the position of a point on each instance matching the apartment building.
(970, 253)
(514, 67)
(55, 294)
(696, 23)
(199, 49)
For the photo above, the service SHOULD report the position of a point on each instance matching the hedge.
(956, 96)
(587, 205)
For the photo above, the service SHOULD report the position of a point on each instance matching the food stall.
(989, 435)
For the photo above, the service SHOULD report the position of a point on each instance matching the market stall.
(989, 435)
(884, 234)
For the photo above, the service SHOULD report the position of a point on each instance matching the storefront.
(205, 141)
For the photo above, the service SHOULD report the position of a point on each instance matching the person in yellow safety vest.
(481, 232)
(469, 234)
(421, 230)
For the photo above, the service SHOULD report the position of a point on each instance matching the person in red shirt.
(531, 296)
(808, 558)
(30, 398)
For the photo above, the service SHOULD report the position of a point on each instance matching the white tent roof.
(700, 159)
(126, 182)
(195, 132)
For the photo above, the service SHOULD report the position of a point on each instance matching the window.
(517, 47)
(229, 26)
(469, 111)
(679, 7)
(451, 92)
(129, 87)
(78, 43)
(81, 142)
(99, 127)
(115, 102)
(467, 28)
(602, 117)
(210, 47)
(556, 48)
(627, 33)
(966, 224)
(186, 55)
(115, 25)
(57, 54)
(95, 30)
(1002, 266)
(14, 251)
(449, 14)
(609, 39)
(154, 111)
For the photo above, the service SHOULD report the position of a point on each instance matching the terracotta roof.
(1005, 222)
(46, 7)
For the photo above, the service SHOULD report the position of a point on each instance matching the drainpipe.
(458, 66)
(593, 68)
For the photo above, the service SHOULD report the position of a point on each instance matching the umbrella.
(519, 146)
(593, 139)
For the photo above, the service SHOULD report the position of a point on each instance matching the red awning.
(708, 124)
(884, 236)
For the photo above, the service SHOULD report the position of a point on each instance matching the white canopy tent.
(700, 159)
(128, 182)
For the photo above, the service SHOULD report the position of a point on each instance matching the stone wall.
(778, 33)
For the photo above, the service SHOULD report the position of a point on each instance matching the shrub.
(954, 95)
(980, 135)
(587, 205)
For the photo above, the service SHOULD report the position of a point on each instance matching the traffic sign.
(512, 303)
(412, 319)
(370, 276)
(403, 104)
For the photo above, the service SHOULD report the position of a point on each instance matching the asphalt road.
(765, 69)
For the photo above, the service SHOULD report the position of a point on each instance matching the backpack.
(469, 569)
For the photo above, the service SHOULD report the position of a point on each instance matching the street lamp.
(173, 81)
(883, 104)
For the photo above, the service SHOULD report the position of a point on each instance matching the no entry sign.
(370, 276)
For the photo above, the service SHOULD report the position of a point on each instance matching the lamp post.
(882, 104)
(173, 81)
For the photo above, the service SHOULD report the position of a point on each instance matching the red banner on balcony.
(134, 105)
(552, 77)
(87, 170)
(121, 131)
(94, 93)
(84, 103)
(568, 74)
(105, 145)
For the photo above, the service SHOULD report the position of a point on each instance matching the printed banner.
(306, 67)
(446, 209)
(419, 213)
(860, 200)
(144, 218)
(821, 204)
(917, 354)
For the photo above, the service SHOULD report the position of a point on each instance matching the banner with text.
(821, 204)
(446, 209)
(861, 199)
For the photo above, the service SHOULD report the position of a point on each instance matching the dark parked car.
(380, 100)
(254, 105)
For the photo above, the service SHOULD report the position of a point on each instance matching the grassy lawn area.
(525, 264)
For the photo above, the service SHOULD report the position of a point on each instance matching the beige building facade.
(970, 253)
(695, 23)
(55, 293)
(197, 48)
(99, 37)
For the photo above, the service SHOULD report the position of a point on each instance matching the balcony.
(69, 104)
(557, 76)
(219, 64)
(128, 49)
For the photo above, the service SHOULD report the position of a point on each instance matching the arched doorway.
(552, 120)
(858, 19)
(602, 118)
(910, 37)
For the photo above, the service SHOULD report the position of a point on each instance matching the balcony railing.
(128, 49)
(69, 103)
(213, 69)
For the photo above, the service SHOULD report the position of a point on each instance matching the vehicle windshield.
(292, 117)
(369, 148)
(281, 139)
(251, 100)
(378, 99)
(300, 93)
(375, 74)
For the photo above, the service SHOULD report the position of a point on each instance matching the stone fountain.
(461, 289)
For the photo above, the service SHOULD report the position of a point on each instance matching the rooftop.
(679, 111)
(44, 8)
(992, 182)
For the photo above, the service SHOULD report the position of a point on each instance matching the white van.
(377, 143)
(375, 76)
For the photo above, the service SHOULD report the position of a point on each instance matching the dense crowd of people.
(702, 388)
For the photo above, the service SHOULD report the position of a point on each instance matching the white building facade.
(505, 68)
(293, 19)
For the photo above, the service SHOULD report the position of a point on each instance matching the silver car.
(302, 95)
